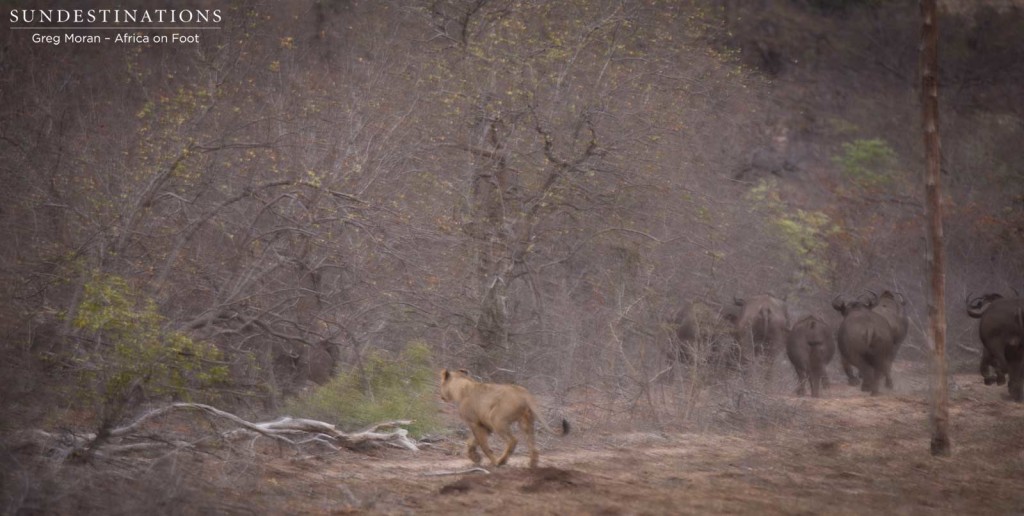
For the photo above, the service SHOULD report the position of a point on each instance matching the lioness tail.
(543, 423)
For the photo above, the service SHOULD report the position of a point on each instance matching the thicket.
(129, 354)
(385, 387)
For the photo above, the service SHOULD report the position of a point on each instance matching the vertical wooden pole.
(940, 444)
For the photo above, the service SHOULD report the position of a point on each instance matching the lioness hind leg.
(526, 423)
(471, 450)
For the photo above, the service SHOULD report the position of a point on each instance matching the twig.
(458, 472)
(968, 349)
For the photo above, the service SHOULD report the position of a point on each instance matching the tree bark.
(940, 443)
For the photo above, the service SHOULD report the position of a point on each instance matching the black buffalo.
(891, 306)
(1001, 329)
(865, 341)
(810, 348)
(761, 329)
(703, 334)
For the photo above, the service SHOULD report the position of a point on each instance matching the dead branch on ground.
(456, 472)
(286, 430)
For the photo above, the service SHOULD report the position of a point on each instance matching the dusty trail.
(846, 454)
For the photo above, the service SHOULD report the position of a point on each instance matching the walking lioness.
(493, 407)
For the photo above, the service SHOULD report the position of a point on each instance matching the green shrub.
(803, 234)
(384, 389)
(868, 163)
(132, 350)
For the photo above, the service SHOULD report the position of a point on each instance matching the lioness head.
(451, 382)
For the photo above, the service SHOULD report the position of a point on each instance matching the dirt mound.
(538, 480)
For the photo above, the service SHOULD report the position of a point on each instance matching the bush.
(868, 163)
(384, 389)
(802, 233)
(133, 351)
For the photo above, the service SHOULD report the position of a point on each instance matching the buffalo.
(1001, 329)
(761, 329)
(865, 341)
(810, 348)
(703, 333)
(890, 305)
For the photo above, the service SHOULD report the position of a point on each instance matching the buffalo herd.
(754, 330)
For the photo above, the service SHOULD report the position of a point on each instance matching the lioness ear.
(464, 371)
(445, 374)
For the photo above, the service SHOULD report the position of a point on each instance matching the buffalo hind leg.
(801, 379)
(870, 380)
(985, 368)
(770, 354)
(1002, 365)
(851, 378)
(1016, 367)
(988, 363)
(1016, 387)
(886, 370)
(815, 380)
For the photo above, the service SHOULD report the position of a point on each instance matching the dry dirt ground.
(843, 454)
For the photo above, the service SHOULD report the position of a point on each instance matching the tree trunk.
(489, 216)
(940, 443)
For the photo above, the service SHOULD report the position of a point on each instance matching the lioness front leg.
(510, 444)
(481, 433)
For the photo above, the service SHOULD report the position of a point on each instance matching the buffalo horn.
(837, 302)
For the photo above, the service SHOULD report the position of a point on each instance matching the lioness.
(493, 407)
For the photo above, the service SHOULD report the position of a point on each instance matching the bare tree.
(936, 256)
